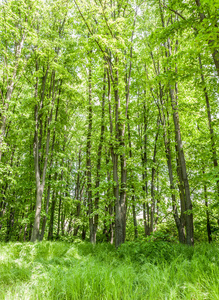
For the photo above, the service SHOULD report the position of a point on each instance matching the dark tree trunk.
(78, 195)
(88, 164)
(99, 155)
(51, 160)
(188, 202)
(134, 218)
(59, 216)
(10, 224)
(51, 223)
(207, 216)
(164, 118)
(132, 186)
(83, 235)
(46, 212)
(119, 191)
(153, 178)
(146, 215)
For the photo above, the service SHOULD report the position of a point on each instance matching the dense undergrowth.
(137, 270)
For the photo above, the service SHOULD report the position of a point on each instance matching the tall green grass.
(137, 270)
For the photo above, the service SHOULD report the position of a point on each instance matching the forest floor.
(137, 270)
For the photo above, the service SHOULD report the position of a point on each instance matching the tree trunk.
(146, 215)
(211, 130)
(83, 235)
(46, 212)
(207, 215)
(40, 179)
(59, 216)
(36, 225)
(99, 155)
(188, 202)
(135, 223)
(119, 197)
(88, 164)
(119, 192)
(52, 88)
(153, 178)
(50, 233)
(164, 119)
(10, 224)
(132, 185)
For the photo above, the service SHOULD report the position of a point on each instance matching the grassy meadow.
(137, 270)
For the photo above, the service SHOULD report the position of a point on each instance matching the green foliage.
(159, 45)
(157, 252)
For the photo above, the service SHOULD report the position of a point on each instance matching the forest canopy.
(109, 120)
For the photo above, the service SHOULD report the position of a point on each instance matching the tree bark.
(210, 125)
(119, 192)
(208, 225)
(88, 161)
(51, 223)
(51, 160)
(99, 155)
(164, 118)
(153, 178)
(146, 215)
(132, 185)
(40, 163)
(188, 202)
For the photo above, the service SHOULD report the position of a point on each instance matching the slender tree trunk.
(88, 163)
(109, 208)
(158, 201)
(99, 155)
(146, 215)
(211, 130)
(52, 90)
(153, 178)
(10, 224)
(178, 221)
(51, 226)
(180, 153)
(135, 223)
(59, 216)
(83, 235)
(37, 145)
(25, 232)
(60, 205)
(132, 186)
(181, 190)
(46, 212)
(164, 119)
(63, 221)
(78, 210)
(77, 194)
(119, 192)
(188, 202)
(207, 212)
(119, 238)
(207, 215)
